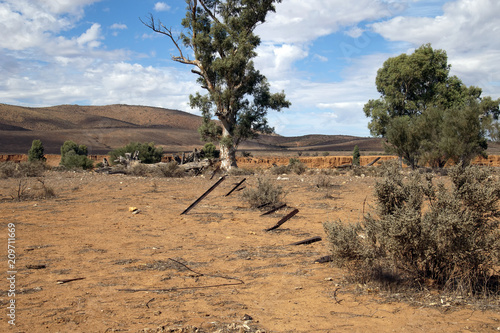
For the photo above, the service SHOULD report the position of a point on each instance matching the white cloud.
(467, 31)
(161, 6)
(299, 21)
(118, 26)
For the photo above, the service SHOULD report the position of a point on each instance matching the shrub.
(148, 153)
(171, 169)
(75, 156)
(294, 165)
(355, 155)
(24, 169)
(246, 153)
(210, 151)
(36, 152)
(426, 232)
(266, 193)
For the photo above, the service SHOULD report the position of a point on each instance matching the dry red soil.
(225, 270)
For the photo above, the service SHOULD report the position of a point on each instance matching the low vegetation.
(265, 194)
(74, 156)
(148, 153)
(294, 166)
(425, 233)
(24, 169)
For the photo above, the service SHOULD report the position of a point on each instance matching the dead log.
(284, 219)
(235, 187)
(274, 210)
(207, 192)
(308, 241)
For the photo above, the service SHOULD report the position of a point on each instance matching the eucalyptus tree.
(220, 43)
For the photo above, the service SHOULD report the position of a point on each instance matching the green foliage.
(75, 156)
(266, 193)
(36, 152)
(427, 116)
(221, 37)
(355, 155)
(427, 232)
(210, 151)
(148, 153)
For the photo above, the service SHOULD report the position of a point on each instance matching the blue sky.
(323, 53)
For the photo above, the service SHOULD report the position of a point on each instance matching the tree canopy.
(220, 38)
(426, 115)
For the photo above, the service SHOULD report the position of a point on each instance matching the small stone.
(246, 317)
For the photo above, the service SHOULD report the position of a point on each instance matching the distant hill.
(103, 128)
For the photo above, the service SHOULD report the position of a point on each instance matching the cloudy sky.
(323, 53)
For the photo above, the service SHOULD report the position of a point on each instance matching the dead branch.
(198, 274)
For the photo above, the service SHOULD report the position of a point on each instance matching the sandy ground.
(234, 276)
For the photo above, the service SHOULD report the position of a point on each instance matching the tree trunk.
(227, 152)
(228, 157)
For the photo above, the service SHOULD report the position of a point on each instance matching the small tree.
(75, 156)
(36, 152)
(221, 38)
(210, 151)
(355, 155)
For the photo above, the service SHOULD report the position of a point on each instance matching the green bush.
(148, 153)
(355, 155)
(36, 152)
(210, 151)
(426, 232)
(266, 193)
(74, 156)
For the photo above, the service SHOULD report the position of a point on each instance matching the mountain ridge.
(103, 128)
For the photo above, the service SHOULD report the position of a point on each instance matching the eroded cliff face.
(319, 162)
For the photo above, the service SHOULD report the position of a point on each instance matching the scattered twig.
(198, 274)
(324, 259)
(338, 301)
(147, 304)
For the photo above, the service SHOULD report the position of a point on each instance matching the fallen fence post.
(204, 195)
(283, 220)
(373, 162)
(324, 259)
(308, 241)
(235, 187)
(274, 209)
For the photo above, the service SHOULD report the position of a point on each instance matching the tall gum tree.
(220, 43)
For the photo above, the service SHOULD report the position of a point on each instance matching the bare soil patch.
(227, 273)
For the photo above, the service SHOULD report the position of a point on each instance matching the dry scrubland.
(227, 274)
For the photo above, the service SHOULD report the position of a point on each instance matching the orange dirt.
(88, 232)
